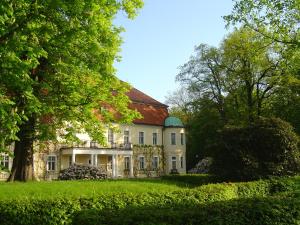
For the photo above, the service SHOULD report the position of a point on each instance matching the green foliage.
(269, 147)
(277, 20)
(260, 211)
(111, 203)
(57, 65)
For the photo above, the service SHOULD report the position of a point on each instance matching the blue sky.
(163, 36)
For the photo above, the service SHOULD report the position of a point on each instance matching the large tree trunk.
(22, 168)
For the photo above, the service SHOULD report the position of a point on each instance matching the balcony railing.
(95, 145)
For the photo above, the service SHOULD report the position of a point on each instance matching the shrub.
(131, 206)
(257, 211)
(79, 172)
(269, 147)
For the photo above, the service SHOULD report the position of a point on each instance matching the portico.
(108, 160)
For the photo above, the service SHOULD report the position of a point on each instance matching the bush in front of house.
(269, 147)
(79, 172)
(61, 210)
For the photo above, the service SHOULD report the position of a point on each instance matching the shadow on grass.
(255, 211)
(189, 181)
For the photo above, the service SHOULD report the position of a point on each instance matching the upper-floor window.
(141, 138)
(173, 138)
(155, 162)
(141, 162)
(154, 138)
(110, 136)
(126, 136)
(182, 138)
(4, 161)
(51, 163)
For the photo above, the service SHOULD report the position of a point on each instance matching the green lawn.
(50, 189)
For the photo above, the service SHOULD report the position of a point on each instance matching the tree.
(56, 63)
(276, 20)
(205, 78)
(268, 147)
(253, 69)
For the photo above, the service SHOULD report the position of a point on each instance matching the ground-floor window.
(141, 162)
(51, 163)
(181, 162)
(4, 161)
(127, 163)
(174, 162)
(155, 162)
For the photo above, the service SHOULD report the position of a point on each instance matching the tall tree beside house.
(56, 63)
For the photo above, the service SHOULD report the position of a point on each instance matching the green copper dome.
(172, 121)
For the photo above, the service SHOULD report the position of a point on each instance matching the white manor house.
(149, 147)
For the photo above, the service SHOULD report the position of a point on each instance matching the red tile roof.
(153, 111)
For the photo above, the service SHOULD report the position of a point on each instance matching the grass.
(49, 189)
(71, 189)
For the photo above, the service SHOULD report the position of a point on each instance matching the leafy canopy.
(56, 65)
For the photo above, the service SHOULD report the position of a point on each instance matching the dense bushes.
(257, 211)
(79, 172)
(62, 210)
(268, 147)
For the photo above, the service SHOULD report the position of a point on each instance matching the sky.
(163, 37)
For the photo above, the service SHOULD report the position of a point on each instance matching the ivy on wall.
(148, 152)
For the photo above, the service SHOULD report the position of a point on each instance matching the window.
(141, 162)
(127, 163)
(182, 138)
(93, 144)
(110, 136)
(4, 161)
(51, 163)
(174, 162)
(173, 139)
(154, 138)
(155, 162)
(126, 137)
(181, 162)
(141, 138)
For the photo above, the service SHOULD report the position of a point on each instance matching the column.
(131, 167)
(113, 166)
(116, 172)
(73, 158)
(96, 160)
(92, 159)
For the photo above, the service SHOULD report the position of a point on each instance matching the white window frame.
(4, 161)
(173, 162)
(126, 162)
(141, 162)
(126, 137)
(141, 137)
(173, 138)
(154, 138)
(182, 138)
(155, 162)
(55, 163)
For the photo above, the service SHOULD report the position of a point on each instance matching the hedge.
(257, 211)
(62, 210)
